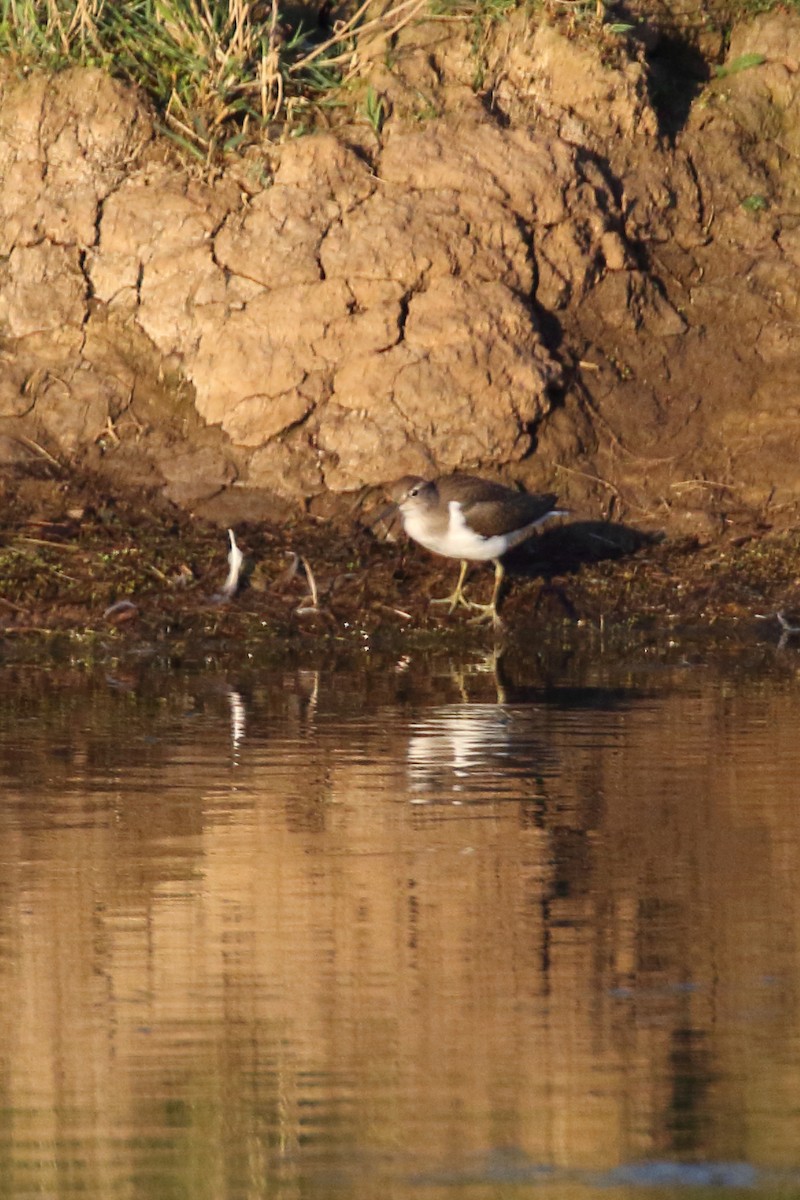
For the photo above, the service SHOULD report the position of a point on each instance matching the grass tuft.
(219, 72)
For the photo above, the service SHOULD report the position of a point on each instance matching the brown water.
(401, 929)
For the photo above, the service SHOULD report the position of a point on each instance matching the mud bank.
(542, 280)
(579, 277)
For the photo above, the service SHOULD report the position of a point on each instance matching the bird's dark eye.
(416, 489)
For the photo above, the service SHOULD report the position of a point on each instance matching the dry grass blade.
(272, 85)
(214, 68)
(337, 37)
(35, 448)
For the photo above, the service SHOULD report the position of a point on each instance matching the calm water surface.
(406, 928)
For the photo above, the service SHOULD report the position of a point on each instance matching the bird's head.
(412, 492)
(407, 495)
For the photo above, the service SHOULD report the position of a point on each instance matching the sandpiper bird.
(462, 516)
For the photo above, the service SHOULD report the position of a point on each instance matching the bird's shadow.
(563, 550)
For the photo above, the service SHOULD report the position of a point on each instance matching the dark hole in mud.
(492, 110)
(314, 21)
(678, 73)
(552, 335)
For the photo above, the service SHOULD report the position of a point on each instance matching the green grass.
(374, 110)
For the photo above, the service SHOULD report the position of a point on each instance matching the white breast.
(456, 540)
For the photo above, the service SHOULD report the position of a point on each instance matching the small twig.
(8, 629)
(10, 604)
(109, 431)
(43, 542)
(728, 487)
(398, 612)
(338, 36)
(40, 450)
(585, 475)
(185, 130)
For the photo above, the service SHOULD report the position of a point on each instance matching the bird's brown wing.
(491, 508)
(470, 489)
(518, 510)
(504, 510)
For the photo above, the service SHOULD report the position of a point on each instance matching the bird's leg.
(457, 597)
(488, 612)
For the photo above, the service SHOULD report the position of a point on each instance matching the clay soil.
(580, 273)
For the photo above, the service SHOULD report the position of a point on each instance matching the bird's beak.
(382, 515)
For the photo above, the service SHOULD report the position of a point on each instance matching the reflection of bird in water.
(238, 720)
(476, 752)
(478, 673)
(790, 625)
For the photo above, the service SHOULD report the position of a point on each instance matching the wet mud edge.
(84, 562)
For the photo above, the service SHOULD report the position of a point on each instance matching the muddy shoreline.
(111, 574)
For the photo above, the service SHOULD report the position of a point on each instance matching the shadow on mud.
(678, 73)
(564, 550)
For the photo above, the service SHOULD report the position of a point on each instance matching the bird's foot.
(456, 599)
(486, 612)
